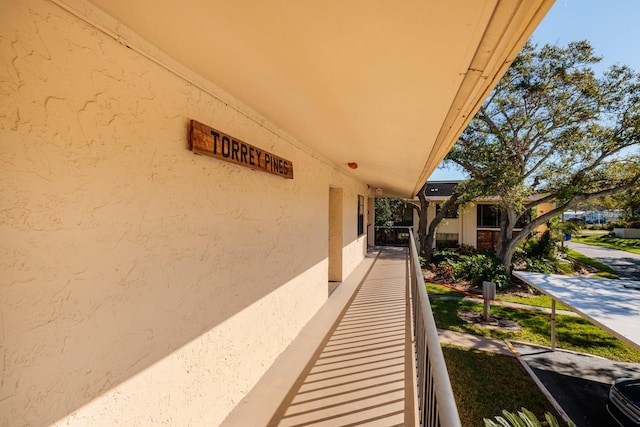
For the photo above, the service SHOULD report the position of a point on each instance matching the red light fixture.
(352, 165)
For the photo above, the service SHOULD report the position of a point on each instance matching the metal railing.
(396, 235)
(436, 403)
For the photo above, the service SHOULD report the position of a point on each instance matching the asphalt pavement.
(625, 264)
(579, 383)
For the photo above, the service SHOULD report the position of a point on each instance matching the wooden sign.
(214, 143)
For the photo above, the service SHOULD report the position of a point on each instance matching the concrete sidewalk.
(475, 342)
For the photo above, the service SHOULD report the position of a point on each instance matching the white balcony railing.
(436, 403)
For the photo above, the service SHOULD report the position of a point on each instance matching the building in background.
(475, 224)
(593, 216)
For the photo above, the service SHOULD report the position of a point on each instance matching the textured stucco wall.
(141, 284)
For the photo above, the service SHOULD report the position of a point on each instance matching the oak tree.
(553, 131)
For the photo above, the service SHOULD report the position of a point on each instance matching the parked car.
(624, 402)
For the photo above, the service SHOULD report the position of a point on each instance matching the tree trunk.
(426, 252)
(502, 235)
(422, 221)
(507, 244)
(507, 253)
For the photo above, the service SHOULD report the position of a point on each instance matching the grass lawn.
(606, 272)
(486, 383)
(629, 245)
(435, 289)
(587, 232)
(572, 332)
(533, 300)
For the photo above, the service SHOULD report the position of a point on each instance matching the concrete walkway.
(625, 264)
(352, 364)
(475, 342)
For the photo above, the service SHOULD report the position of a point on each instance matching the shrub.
(618, 223)
(443, 273)
(542, 248)
(478, 268)
(633, 224)
(466, 250)
(541, 255)
(445, 255)
(423, 262)
(565, 267)
(535, 265)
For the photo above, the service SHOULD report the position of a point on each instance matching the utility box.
(488, 293)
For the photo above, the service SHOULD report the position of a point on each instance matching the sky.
(612, 27)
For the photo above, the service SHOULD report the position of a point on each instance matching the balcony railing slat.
(436, 403)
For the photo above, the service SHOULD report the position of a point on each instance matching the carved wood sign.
(214, 143)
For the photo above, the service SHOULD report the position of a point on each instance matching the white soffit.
(388, 85)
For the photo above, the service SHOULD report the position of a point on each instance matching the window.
(452, 212)
(360, 215)
(489, 239)
(489, 217)
(446, 240)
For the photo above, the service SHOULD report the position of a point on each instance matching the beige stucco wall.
(141, 284)
(469, 221)
(542, 209)
(447, 225)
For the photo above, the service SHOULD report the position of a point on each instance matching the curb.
(541, 386)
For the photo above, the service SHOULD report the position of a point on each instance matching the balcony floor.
(352, 364)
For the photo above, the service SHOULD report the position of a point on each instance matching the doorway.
(335, 238)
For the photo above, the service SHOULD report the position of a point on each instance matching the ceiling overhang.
(387, 85)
